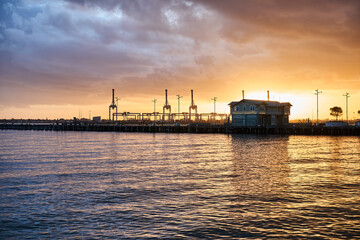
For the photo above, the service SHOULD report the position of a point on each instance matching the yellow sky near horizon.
(304, 106)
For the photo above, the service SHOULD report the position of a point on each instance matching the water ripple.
(83, 185)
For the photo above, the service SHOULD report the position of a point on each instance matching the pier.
(54, 125)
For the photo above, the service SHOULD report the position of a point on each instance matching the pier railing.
(183, 117)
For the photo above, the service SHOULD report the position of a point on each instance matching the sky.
(60, 59)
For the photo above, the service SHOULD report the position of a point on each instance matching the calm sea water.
(92, 185)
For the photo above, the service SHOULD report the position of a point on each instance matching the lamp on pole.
(317, 92)
(214, 99)
(154, 101)
(178, 98)
(117, 105)
(347, 95)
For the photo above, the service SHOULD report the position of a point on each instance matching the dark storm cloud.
(294, 19)
(63, 45)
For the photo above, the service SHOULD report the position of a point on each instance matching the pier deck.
(183, 128)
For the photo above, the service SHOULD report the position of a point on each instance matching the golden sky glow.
(59, 59)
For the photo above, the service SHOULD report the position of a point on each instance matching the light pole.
(347, 95)
(117, 105)
(154, 101)
(178, 98)
(214, 99)
(317, 92)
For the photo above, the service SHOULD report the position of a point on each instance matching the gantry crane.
(192, 106)
(112, 105)
(166, 106)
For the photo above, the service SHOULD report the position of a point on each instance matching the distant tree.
(336, 111)
(359, 112)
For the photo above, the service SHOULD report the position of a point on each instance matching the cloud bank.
(73, 52)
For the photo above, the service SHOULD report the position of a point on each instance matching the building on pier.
(336, 124)
(259, 113)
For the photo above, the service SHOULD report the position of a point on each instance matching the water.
(92, 185)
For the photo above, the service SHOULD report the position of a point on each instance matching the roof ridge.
(259, 101)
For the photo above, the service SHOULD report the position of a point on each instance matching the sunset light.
(179, 119)
(68, 55)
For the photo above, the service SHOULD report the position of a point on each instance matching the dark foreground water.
(91, 185)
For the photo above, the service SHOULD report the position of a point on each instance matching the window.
(252, 108)
(244, 108)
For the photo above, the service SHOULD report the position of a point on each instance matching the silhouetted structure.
(86, 125)
(336, 124)
(97, 119)
(112, 105)
(193, 106)
(166, 106)
(317, 92)
(347, 95)
(251, 113)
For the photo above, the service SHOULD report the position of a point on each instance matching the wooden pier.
(181, 128)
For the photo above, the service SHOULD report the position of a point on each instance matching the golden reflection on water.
(324, 176)
(324, 160)
(181, 185)
(260, 165)
(260, 168)
(314, 180)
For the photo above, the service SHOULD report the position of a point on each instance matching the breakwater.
(184, 128)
